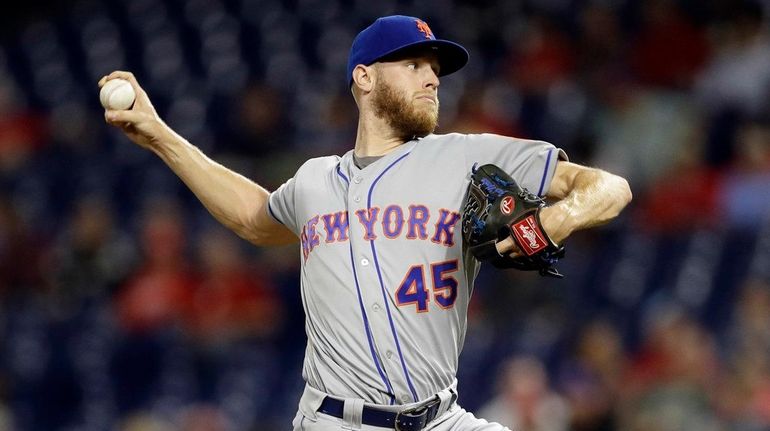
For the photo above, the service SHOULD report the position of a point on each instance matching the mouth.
(429, 98)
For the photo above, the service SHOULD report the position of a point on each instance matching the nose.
(431, 79)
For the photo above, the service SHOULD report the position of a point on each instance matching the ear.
(364, 77)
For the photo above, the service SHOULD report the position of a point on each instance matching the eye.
(411, 66)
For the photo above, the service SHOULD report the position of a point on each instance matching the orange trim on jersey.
(448, 231)
(441, 291)
(368, 223)
(415, 222)
(337, 230)
(385, 222)
(412, 289)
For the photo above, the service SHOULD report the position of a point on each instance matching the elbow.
(261, 229)
(622, 192)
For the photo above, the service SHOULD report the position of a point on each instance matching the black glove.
(495, 208)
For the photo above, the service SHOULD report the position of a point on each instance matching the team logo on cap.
(422, 26)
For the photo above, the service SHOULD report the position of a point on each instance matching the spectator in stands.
(204, 418)
(259, 125)
(734, 85)
(601, 46)
(668, 50)
(20, 260)
(22, 130)
(92, 256)
(542, 57)
(744, 195)
(591, 378)
(738, 76)
(745, 395)
(642, 133)
(143, 421)
(749, 328)
(524, 400)
(695, 201)
(487, 107)
(231, 301)
(159, 291)
(672, 381)
(539, 62)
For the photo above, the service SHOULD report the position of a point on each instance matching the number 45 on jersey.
(414, 290)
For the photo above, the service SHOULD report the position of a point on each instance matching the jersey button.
(357, 199)
(357, 180)
(389, 354)
(376, 307)
(364, 261)
(405, 399)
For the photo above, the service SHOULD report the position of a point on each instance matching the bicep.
(564, 177)
(266, 230)
(255, 223)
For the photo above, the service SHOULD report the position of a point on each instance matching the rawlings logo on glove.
(496, 208)
(529, 236)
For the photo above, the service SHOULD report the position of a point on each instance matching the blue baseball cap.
(391, 34)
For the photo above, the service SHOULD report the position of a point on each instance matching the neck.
(375, 137)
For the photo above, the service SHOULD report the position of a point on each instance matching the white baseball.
(117, 94)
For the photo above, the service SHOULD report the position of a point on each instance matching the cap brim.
(451, 56)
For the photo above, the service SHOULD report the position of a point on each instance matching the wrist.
(167, 144)
(557, 221)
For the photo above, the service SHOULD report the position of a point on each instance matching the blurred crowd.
(124, 306)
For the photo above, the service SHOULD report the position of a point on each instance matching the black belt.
(413, 419)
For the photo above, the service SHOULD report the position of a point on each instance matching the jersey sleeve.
(281, 205)
(297, 199)
(530, 163)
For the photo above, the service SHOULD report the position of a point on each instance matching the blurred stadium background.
(124, 307)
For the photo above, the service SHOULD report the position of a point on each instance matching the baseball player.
(385, 277)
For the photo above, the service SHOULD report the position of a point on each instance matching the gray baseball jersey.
(385, 281)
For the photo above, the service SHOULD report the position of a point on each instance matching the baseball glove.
(495, 208)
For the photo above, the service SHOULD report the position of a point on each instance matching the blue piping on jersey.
(368, 331)
(363, 312)
(270, 210)
(382, 285)
(339, 172)
(545, 173)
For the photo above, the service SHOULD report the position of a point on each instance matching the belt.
(413, 419)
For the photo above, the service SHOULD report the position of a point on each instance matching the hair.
(391, 105)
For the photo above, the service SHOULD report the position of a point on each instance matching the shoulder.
(318, 165)
(445, 139)
(435, 143)
(507, 140)
(320, 162)
(478, 138)
(478, 146)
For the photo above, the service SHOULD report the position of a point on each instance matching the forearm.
(595, 197)
(234, 200)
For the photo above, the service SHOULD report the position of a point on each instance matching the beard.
(407, 120)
